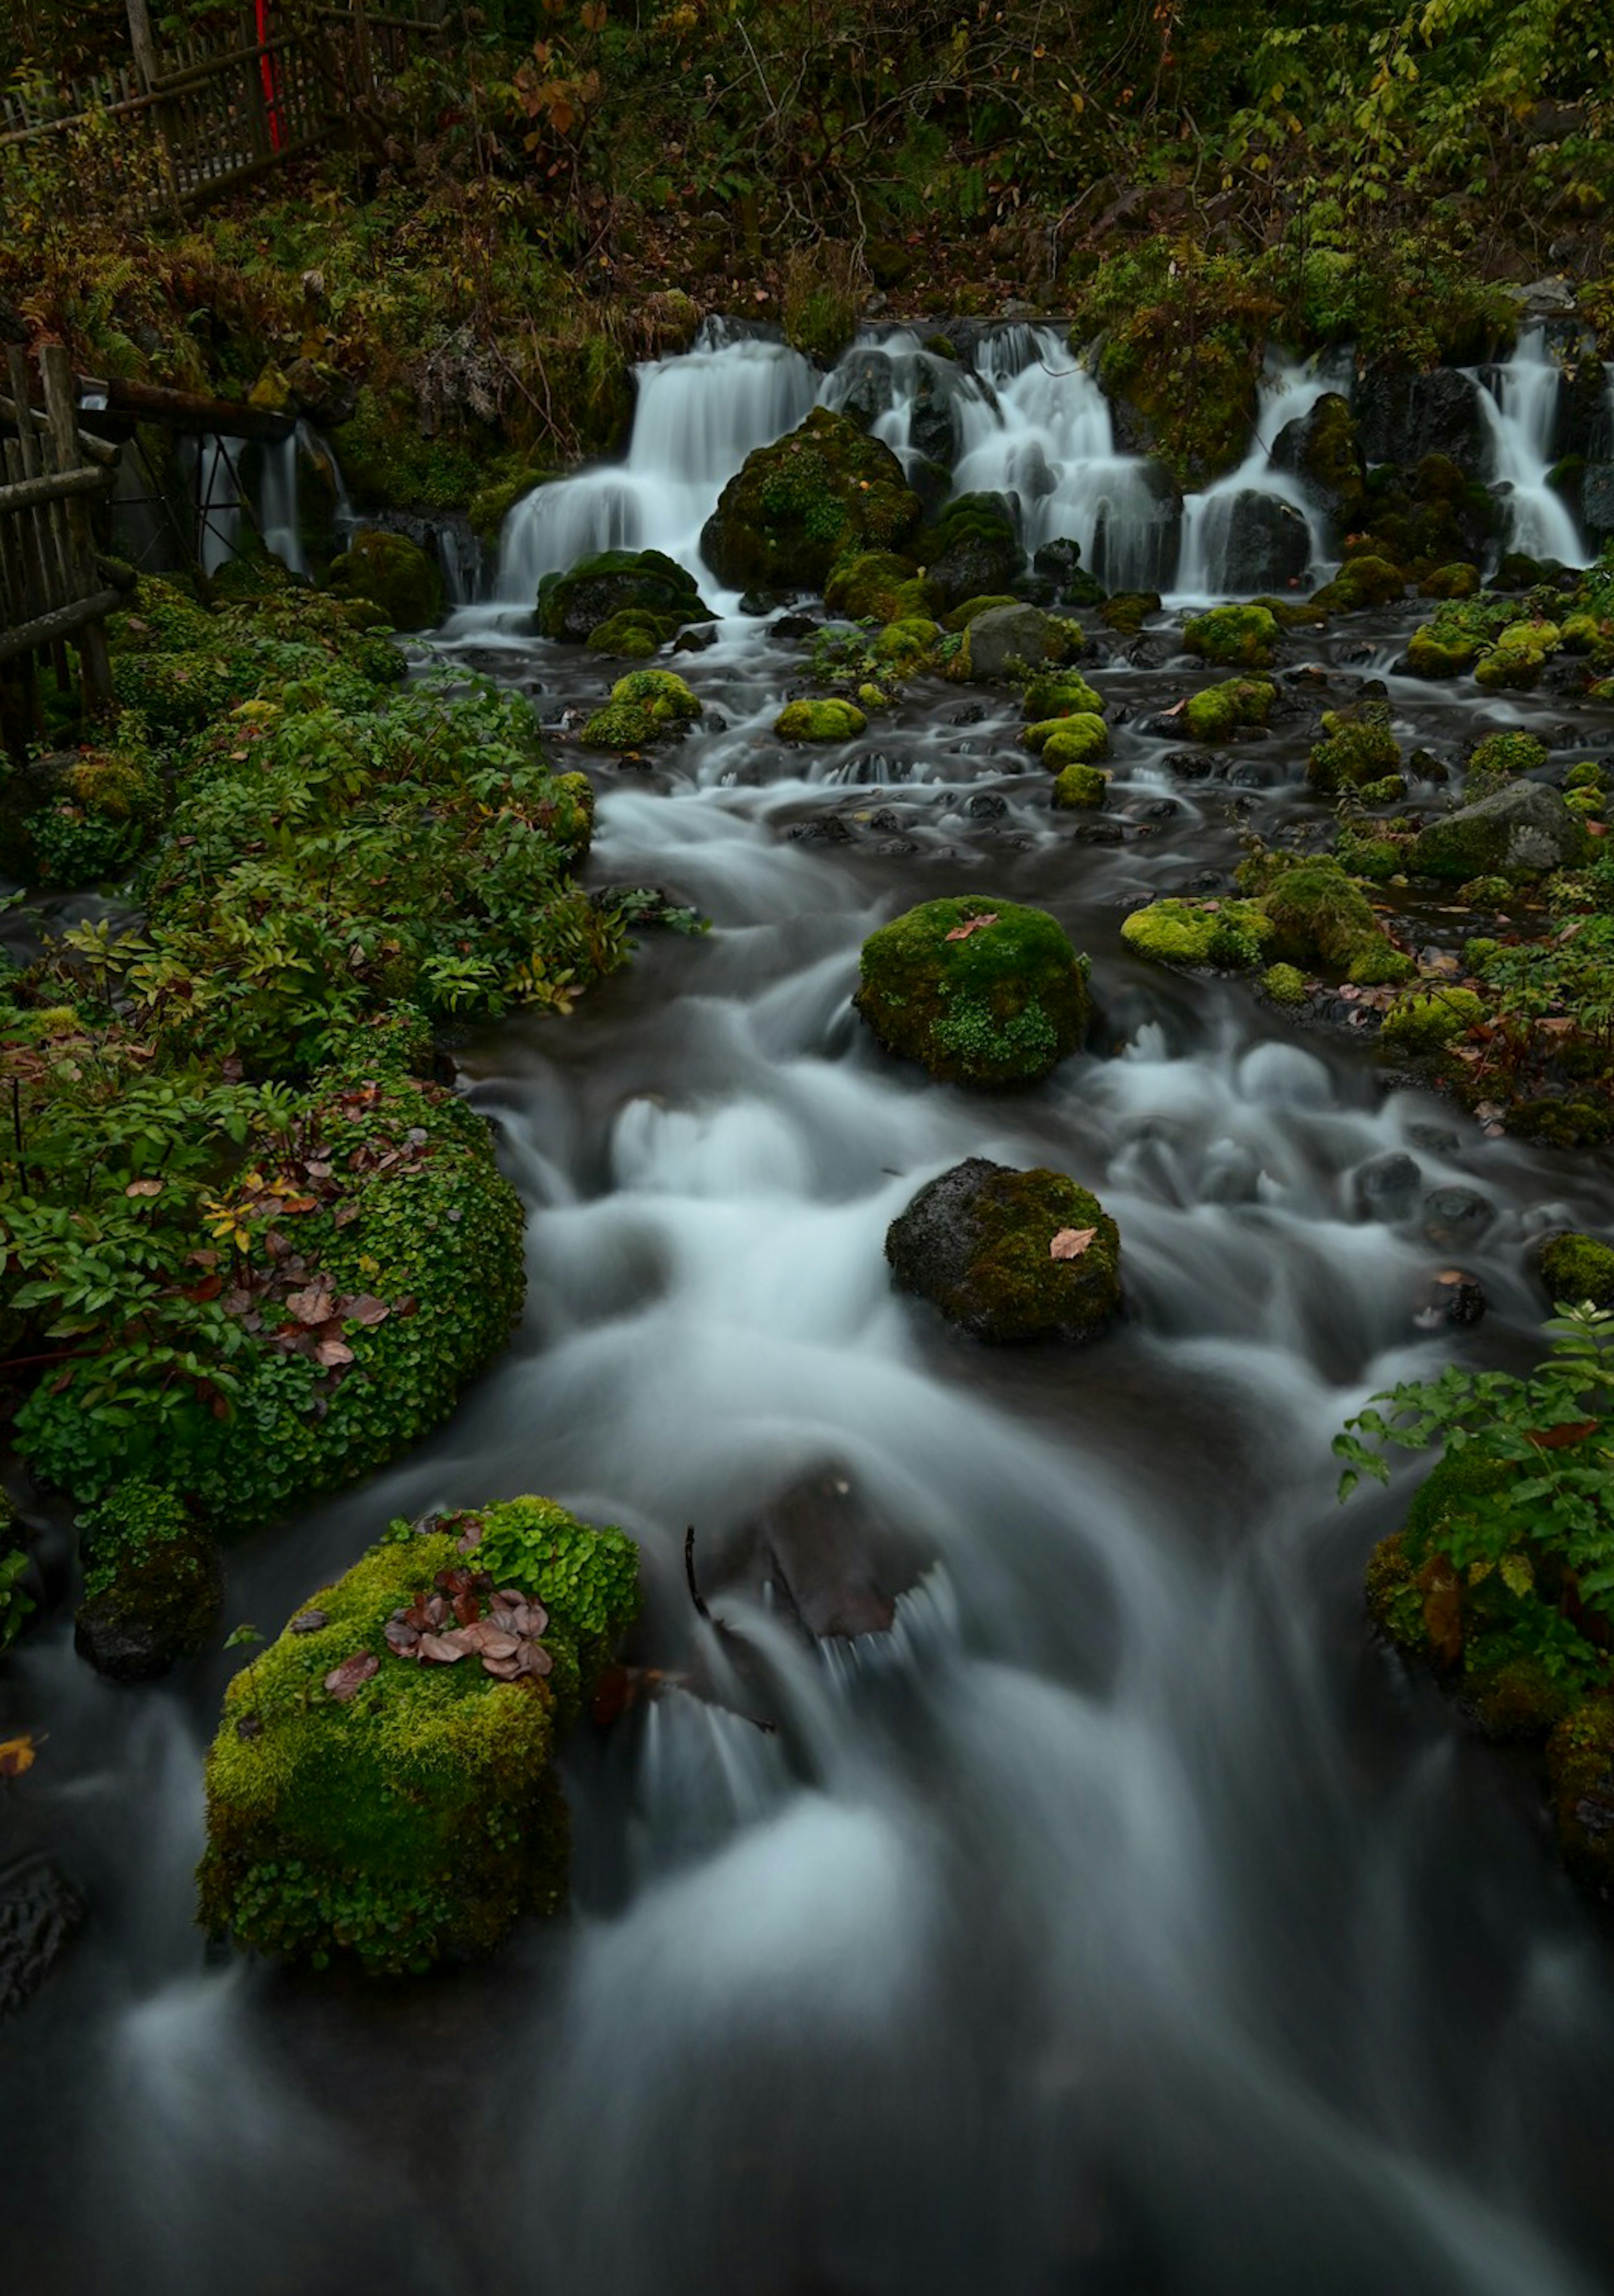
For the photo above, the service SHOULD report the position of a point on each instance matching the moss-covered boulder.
(1424, 1019)
(589, 596)
(1009, 1256)
(825, 492)
(1080, 788)
(1580, 1770)
(646, 707)
(1459, 579)
(1234, 638)
(1065, 694)
(977, 991)
(393, 573)
(1229, 935)
(1578, 1268)
(1078, 739)
(1522, 830)
(876, 586)
(1321, 448)
(1008, 642)
(830, 719)
(1320, 918)
(972, 550)
(152, 1583)
(1437, 650)
(1218, 713)
(382, 1788)
(1368, 581)
(1358, 750)
(1514, 662)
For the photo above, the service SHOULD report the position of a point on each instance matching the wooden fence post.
(75, 539)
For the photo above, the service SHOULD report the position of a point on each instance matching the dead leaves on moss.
(1071, 1243)
(465, 1616)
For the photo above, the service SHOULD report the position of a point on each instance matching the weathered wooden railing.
(53, 585)
(211, 117)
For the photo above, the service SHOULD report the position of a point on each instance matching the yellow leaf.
(16, 1755)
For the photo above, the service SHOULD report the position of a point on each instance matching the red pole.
(271, 102)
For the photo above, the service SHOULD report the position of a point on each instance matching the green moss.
(977, 1244)
(647, 706)
(1577, 1267)
(1503, 757)
(1432, 656)
(575, 606)
(1077, 739)
(1515, 662)
(152, 1583)
(1357, 751)
(1580, 1768)
(394, 574)
(1127, 610)
(1285, 984)
(877, 585)
(1234, 638)
(824, 720)
(491, 504)
(998, 1005)
(906, 645)
(1586, 775)
(1080, 788)
(1063, 694)
(1320, 918)
(961, 617)
(1368, 581)
(825, 493)
(634, 633)
(1217, 712)
(418, 1818)
(1228, 934)
(390, 465)
(1426, 1018)
(1458, 580)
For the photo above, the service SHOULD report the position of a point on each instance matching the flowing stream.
(1122, 1921)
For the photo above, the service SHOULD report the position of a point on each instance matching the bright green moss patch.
(1576, 1268)
(1357, 751)
(1065, 694)
(398, 1805)
(824, 720)
(1228, 934)
(395, 574)
(647, 706)
(979, 991)
(152, 1582)
(575, 606)
(1234, 638)
(1078, 739)
(1426, 1018)
(1319, 918)
(877, 585)
(1285, 984)
(1080, 788)
(825, 493)
(1217, 712)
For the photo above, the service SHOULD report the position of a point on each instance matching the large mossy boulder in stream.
(1009, 1256)
(1522, 830)
(382, 1787)
(152, 1583)
(977, 991)
(823, 492)
(1014, 641)
(647, 706)
(616, 591)
(394, 574)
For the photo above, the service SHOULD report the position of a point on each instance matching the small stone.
(1388, 1186)
(1453, 1217)
(1450, 1297)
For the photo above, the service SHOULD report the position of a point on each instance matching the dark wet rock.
(887, 818)
(1455, 1218)
(865, 386)
(1434, 1139)
(822, 492)
(1597, 502)
(1057, 559)
(822, 1553)
(932, 431)
(1102, 829)
(793, 627)
(694, 641)
(987, 805)
(895, 848)
(1267, 545)
(40, 1908)
(973, 713)
(1164, 808)
(834, 829)
(1450, 1297)
(1400, 418)
(1387, 1188)
(1191, 765)
(1004, 635)
(1321, 448)
(979, 1244)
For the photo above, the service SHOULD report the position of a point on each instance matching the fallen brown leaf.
(344, 1680)
(972, 925)
(1071, 1243)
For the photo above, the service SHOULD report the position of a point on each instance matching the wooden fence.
(53, 585)
(210, 117)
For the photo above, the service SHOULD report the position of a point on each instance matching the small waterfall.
(277, 511)
(697, 417)
(1519, 401)
(1258, 529)
(218, 500)
(1043, 433)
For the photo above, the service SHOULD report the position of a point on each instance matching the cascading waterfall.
(1519, 400)
(277, 511)
(697, 417)
(218, 500)
(1258, 528)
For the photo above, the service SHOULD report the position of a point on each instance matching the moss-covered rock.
(152, 1583)
(1077, 739)
(573, 605)
(1231, 935)
(971, 551)
(829, 719)
(1580, 1768)
(1458, 580)
(876, 586)
(1217, 712)
(1322, 448)
(1357, 748)
(377, 1792)
(825, 492)
(1321, 918)
(647, 706)
(1521, 831)
(1368, 581)
(1009, 1256)
(1503, 757)
(1234, 638)
(394, 574)
(977, 991)
(1010, 641)
(1285, 984)
(905, 645)
(1425, 1019)
(1514, 662)
(1576, 1268)
(633, 634)
(1080, 788)
(1065, 694)
(1127, 610)
(1433, 653)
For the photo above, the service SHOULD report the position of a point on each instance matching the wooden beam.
(53, 486)
(61, 624)
(187, 410)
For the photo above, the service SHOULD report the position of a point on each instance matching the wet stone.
(1387, 1188)
(1434, 1138)
(974, 713)
(1456, 1216)
(987, 805)
(1450, 1297)
(39, 1910)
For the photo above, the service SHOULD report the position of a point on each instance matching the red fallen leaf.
(1597, 829)
(276, 1245)
(209, 1287)
(345, 1213)
(1560, 1438)
(365, 1309)
(299, 1204)
(143, 1188)
(313, 1306)
(401, 1638)
(344, 1680)
(333, 1353)
(972, 925)
(1071, 1243)
(470, 1539)
(442, 1650)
